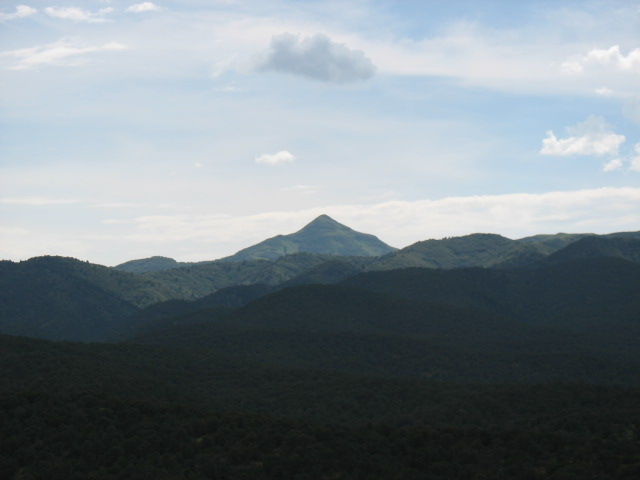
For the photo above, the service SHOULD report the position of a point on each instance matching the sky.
(195, 128)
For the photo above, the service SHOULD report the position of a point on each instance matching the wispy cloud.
(37, 201)
(22, 11)
(143, 7)
(318, 58)
(279, 158)
(61, 53)
(78, 14)
(604, 92)
(591, 137)
(635, 161)
(303, 189)
(611, 165)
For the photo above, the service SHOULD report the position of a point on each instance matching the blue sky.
(195, 128)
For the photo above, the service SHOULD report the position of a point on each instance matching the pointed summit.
(323, 219)
(322, 223)
(323, 235)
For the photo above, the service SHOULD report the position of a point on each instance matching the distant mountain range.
(66, 299)
(325, 236)
(322, 236)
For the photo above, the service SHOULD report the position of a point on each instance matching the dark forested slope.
(367, 332)
(66, 299)
(579, 292)
(70, 411)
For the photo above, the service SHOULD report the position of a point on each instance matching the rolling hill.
(151, 264)
(476, 250)
(63, 298)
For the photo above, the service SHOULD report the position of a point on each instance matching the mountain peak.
(323, 235)
(322, 219)
(323, 222)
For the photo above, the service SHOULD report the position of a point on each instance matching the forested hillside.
(65, 299)
(72, 411)
(577, 292)
(61, 298)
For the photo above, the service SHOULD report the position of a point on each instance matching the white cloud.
(142, 7)
(279, 158)
(78, 15)
(611, 165)
(22, 11)
(605, 92)
(318, 58)
(60, 53)
(611, 57)
(592, 137)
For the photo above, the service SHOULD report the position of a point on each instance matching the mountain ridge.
(325, 236)
(67, 299)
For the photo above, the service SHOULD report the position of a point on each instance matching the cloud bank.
(202, 236)
(317, 58)
(398, 223)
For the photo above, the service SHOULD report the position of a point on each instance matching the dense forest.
(126, 411)
(507, 359)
